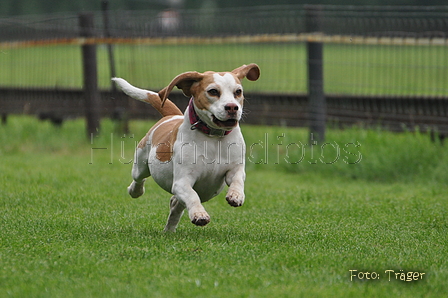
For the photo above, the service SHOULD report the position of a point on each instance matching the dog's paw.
(169, 229)
(235, 198)
(200, 218)
(136, 190)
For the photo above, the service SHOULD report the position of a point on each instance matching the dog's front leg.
(235, 180)
(184, 192)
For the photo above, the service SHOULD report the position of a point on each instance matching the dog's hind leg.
(176, 211)
(140, 171)
(136, 189)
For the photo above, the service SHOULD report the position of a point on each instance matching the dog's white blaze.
(227, 82)
(228, 87)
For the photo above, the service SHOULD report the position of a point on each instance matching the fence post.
(316, 97)
(120, 113)
(90, 72)
(110, 51)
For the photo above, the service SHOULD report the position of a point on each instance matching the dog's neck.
(197, 123)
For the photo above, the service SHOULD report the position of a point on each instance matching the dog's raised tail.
(168, 108)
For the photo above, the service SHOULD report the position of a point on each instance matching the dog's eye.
(238, 92)
(213, 92)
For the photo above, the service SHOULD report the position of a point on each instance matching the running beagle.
(193, 156)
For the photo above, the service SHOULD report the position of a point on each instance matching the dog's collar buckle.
(218, 132)
(193, 126)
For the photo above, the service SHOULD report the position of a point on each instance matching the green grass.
(348, 69)
(353, 153)
(69, 229)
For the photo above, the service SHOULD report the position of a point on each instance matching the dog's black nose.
(231, 107)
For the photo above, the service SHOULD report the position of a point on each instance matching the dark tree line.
(24, 7)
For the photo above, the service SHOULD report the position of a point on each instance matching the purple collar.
(197, 123)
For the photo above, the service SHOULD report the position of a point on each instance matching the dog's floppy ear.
(182, 81)
(251, 72)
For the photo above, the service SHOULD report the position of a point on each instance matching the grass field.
(68, 228)
(348, 69)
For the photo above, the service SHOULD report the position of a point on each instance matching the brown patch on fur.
(168, 109)
(164, 136)
(144, 141)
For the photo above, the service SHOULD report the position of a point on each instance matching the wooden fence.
(313, 25)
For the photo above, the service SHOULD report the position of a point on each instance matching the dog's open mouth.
(227, 123)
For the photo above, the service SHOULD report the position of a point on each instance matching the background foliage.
(20, 7)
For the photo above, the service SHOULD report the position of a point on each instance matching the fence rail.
(393, 113)
(263, 38)
(417, 36)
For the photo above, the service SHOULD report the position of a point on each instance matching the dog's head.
(218, 96)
